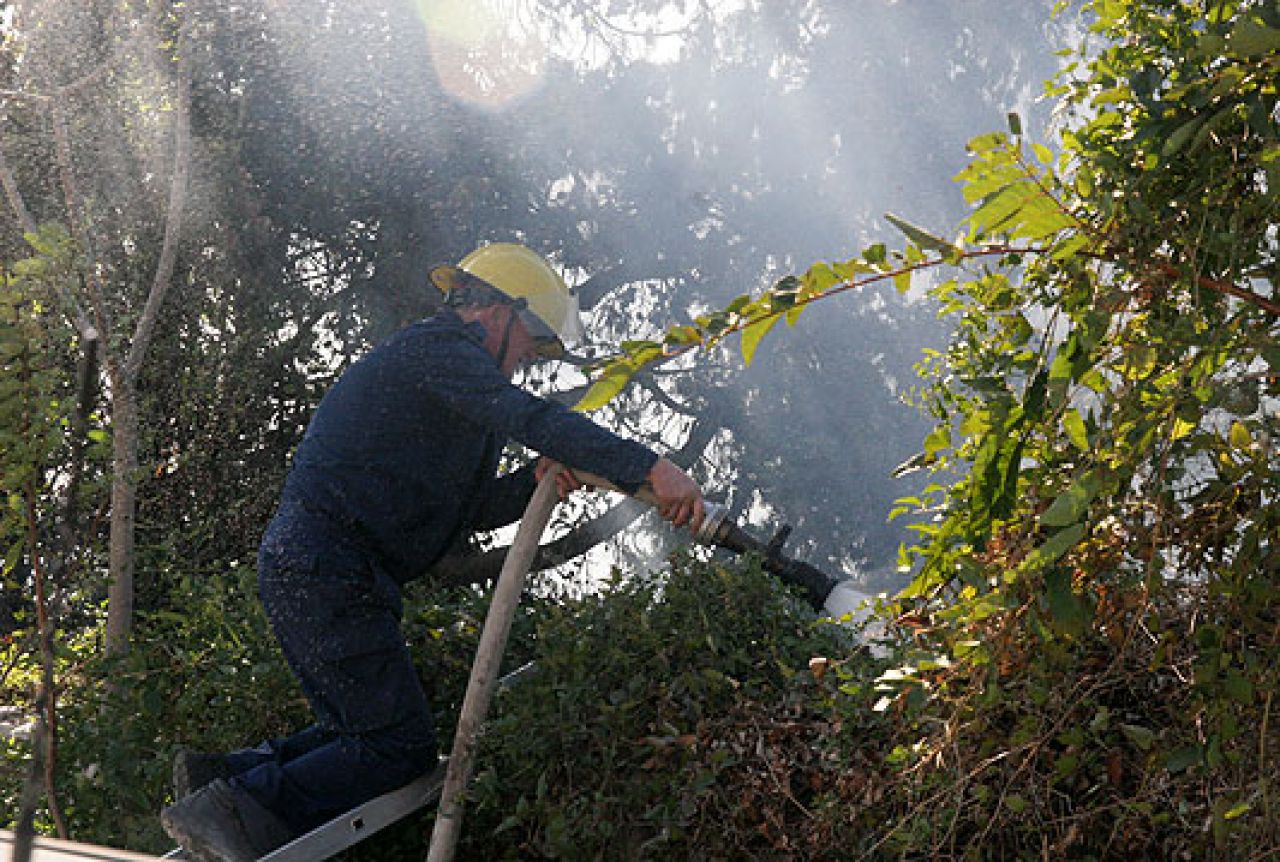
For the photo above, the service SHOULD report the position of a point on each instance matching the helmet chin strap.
(506, 335)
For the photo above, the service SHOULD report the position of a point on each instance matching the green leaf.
(1001, 207)
(1250, 37)
(986, 143)
(1184, 758)
(11, 557)
(753, 333)
(1077, 433)
(612, 381)
(1069, 613)
(1179, 138)
(1057, 545)
(1240, 437)
(1072, 503)
(920, 236)
(1237, 811)
(1238, 687)
(683, 335)
(939, 438)
(1181, 428)
(1140, 736)
(820, 277)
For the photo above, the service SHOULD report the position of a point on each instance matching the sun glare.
(484, 52)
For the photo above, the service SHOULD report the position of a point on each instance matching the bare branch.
(602, 283)
(14, 194)
(1224, 287)
(173, 218)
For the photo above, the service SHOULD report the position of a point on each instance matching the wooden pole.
(484, 671)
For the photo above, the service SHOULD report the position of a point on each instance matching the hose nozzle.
(713, 523)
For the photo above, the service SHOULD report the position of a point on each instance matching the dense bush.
(671, 717)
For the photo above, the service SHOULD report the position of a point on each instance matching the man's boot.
(218, 824)
(194, 769)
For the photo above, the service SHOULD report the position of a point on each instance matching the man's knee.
(406, 750)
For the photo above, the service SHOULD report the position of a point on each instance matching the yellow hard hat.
(550, 310)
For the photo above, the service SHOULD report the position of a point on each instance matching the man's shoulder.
(440, 332)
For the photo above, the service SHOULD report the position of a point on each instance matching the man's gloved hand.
(679, 497)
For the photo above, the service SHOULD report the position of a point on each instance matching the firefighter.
(398, 464)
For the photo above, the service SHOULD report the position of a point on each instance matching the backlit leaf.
(1077, 433)
(753, 333)
(614, 379)
(1240, 437)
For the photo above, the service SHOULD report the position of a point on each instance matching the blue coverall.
(398, 464)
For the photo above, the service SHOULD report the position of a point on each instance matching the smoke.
(669, 156)
(742, 146)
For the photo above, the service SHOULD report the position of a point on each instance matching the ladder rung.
(362, 821)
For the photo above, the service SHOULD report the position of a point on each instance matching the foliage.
(1099, 585)
(1091, 624)
(34, 398)
(656, 725)
(1087, 651)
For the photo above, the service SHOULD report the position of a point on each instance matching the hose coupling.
(713, 521)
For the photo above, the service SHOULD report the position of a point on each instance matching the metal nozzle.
(713, 520)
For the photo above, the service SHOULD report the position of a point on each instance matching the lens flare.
(482, 51)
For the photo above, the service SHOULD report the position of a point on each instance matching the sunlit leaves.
(753, 332)
(617, 373)
(1014, 197)
(1074, 426)
(32, 406)
(753, 317)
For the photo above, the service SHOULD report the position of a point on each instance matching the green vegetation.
(1084, 663)
(1089, 640)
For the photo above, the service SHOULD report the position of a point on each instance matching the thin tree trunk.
(44, 743)
(125, 407)
(47, 698)
(124, 496)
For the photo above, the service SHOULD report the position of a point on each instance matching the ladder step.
(362, 821)
(347, 830)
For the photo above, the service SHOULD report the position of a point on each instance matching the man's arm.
(462, 377)
(506, 499)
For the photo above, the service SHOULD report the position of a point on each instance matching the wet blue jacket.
(401, 456)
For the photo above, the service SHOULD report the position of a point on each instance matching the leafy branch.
(753, 317)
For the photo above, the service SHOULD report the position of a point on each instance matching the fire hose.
(716, 529)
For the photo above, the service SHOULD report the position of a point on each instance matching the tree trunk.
(124, 494)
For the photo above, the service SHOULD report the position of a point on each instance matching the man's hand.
(679, 497)
(566, 482)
